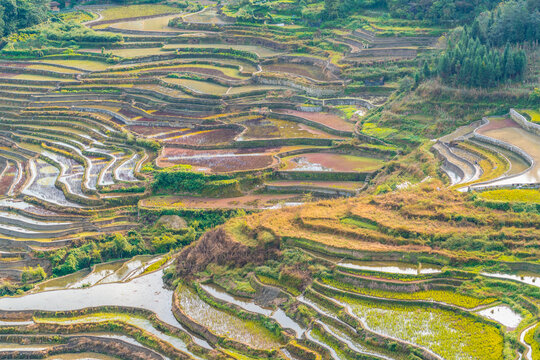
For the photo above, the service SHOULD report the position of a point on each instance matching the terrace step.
(318, 188)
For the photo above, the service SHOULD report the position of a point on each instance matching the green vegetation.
(510, 22)
(21, 14)
(532, 338)
(439, 11)
(534, 115)
(450, 335)
(54, 34)
(469, 62)
(31, 274)
(132, 11)
(446, 296)
(116, 246)
(516, 195)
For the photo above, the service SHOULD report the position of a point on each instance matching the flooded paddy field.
(500, 152)
(222, 323)
(510, 132)
(390, 267)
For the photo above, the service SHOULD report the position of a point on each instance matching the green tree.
(18, 14)
(31, 274)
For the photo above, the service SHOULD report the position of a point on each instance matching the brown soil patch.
(330, 120)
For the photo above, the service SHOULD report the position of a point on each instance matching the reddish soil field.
(273, 129)
(302, 70)
(128, 113)
(22, 180)
(250, 202)
(222, 163)
(330, 120)
(173, 134)
(7, 179)
(7, 75)
(150, 130)
(331, 162)
(498, 124)
(14, 64)
(198, 70)
(116, 121)
(171, 151)
(206, 137)
(164, 113)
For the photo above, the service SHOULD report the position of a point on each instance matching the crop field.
(330, 162)
(260, 180)
(131, 11)
(447, 334)
(312, 72)
(222, 323)
(329, 120)
(248, 202)
(273, 128)
(397, 211)
(443, 296)
(204, 137)
(221, 163)
(517, 195)
(154, 24)
(200, 87)
(534, 115)
(260, 51)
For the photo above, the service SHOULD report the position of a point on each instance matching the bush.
(31, 274)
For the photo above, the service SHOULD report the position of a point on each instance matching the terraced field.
(152, 169)
(79, 129)
(496, 153)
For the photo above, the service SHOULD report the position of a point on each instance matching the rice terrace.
(270, 179)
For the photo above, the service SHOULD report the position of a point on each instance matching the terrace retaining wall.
(349, 101)
(324, 64)
(102, 111)
(502, 144)
(32, 243)
(236, 40)
(524, 123)
(447, 163)
(112, 21)
(323, 175)
(321, 191)
(371, 37)
(391, 52)
(314, 124)
(311, 89)
(410, 287)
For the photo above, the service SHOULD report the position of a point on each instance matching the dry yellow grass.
(427, 218)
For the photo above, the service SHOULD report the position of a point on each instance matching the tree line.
(474, 57)
(434, 11)
(470, 62)
(512, 21)
(19, 14)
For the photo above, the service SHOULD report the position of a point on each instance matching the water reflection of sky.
(145, 292)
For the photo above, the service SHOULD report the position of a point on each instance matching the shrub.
(31, 274)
